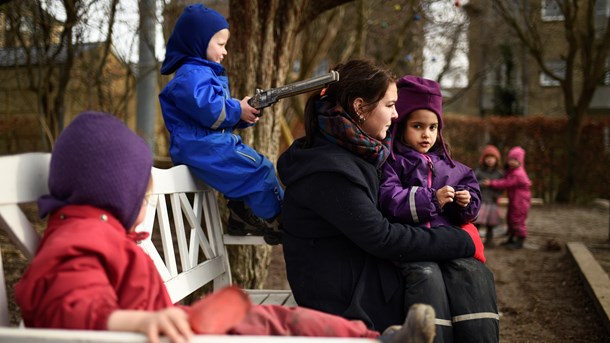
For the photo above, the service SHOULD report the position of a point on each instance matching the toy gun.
(265, 98)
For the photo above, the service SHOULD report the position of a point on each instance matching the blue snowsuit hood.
(184, 46)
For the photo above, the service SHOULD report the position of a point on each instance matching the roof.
(11, 57)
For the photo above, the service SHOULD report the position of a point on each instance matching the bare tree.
(48, 49)
(585, 57)
(264, 36)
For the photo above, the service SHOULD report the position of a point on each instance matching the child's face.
(141, 215)
(217, 48)
(421, 130)
(146, 202)
(513, 163)
(490, 161)
(380, 118)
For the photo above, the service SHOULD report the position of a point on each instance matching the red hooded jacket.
(86, 267)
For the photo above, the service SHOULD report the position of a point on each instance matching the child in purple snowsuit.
(422, 185)
(517, 184)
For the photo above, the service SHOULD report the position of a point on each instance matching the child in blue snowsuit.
(200, 115)
(421, 185)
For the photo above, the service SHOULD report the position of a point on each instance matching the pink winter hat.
(518, 154)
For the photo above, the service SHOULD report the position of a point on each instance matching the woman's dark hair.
(357, 79)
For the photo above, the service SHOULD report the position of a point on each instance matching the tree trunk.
(263, 35)
(566, 185)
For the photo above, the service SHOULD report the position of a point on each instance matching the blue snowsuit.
(200, 116)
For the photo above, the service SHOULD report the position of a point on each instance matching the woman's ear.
(358, 104)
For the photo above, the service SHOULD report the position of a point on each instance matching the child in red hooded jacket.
(517, 184)
(89, 273)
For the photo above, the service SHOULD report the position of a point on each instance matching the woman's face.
(421, 130)
(378, 121)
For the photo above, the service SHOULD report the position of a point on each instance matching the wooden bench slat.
(272, 297)
(191, 280)
(17, 335)
(239, 240)
(291, 301)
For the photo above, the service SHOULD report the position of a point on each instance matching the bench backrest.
(191, 241)
(24, 180)
(184, 223)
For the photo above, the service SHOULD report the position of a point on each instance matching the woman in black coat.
(338, 247)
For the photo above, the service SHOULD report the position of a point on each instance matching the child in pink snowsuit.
(517, 184)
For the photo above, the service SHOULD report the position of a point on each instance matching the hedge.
(545, 146)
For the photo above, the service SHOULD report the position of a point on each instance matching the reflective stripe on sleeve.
(412, 204)
(442, 322)
(221, 118)
(473, 316)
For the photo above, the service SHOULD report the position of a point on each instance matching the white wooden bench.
(195, 230)
(191, 251)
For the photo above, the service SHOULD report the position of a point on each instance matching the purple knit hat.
(98, 161)
(415, 93)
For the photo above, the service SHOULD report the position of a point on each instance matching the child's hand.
(171, 322)
(485, 182)
(248, 113)
(462, 198)
(445, 195)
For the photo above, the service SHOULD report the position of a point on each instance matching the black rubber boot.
(273, 231)
(489, 236)
(242, 221)
(517, 244)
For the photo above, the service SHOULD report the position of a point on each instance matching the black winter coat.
(338, 247)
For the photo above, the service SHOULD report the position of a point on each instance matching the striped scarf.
(337, 127)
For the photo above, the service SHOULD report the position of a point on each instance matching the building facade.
(505, 76)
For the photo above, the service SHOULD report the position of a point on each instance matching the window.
(600, 16)
(606, 79)
(551, 10)
(558, 68)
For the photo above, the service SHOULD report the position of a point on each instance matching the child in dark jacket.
(89, 273)
(517, 184)
(421, 185)
(200, 115)
(489, 213)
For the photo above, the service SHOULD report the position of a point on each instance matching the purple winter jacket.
(406, 197)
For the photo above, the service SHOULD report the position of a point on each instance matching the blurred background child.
(489, 213)
(517, 184)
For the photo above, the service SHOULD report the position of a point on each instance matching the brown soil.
(541, 297)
